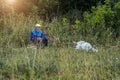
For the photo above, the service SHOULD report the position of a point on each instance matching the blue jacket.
(37, 34)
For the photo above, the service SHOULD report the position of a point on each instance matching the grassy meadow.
(59, 64)
(58, 61)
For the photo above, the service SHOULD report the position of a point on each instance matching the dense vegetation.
(59, 64)
(99, 23)
(95, 21)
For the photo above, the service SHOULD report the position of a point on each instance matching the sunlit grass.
(10, 1)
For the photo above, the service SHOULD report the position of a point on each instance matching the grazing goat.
(82, 45)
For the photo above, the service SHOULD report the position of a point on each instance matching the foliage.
(61, 63)
(101, 23)
(16, 29)
(68, 22)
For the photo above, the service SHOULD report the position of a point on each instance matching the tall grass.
(16, 30)
(59, 64)
(53, 63)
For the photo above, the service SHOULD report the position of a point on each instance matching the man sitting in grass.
(37, 36)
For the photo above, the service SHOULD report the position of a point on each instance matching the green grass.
(59, 64)
(53, 63)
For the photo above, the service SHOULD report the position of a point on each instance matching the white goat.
(82, 45)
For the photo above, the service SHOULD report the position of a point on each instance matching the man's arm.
(39, 36)
(31, 36)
